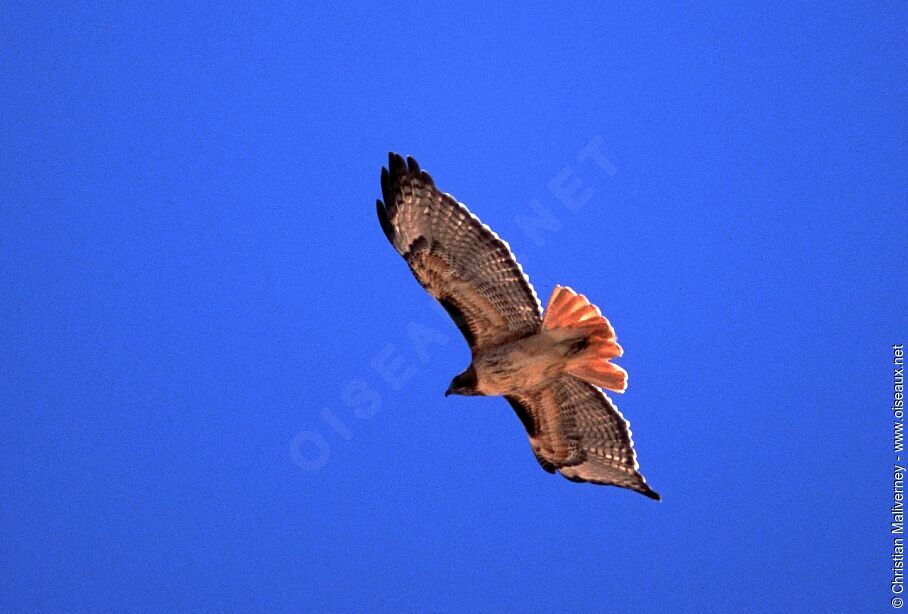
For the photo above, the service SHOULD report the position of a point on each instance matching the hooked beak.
(450, 390)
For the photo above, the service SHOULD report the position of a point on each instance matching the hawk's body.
(547, 368)
(527, 363)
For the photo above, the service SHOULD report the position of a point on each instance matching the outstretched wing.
(456, 258)
(575, 429)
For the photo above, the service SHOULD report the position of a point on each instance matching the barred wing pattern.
(456, 258)
(575, 429)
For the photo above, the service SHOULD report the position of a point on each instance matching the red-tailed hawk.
(548, 368)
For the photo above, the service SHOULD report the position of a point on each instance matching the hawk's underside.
(543, 367)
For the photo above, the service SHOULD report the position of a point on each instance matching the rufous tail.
(598, 343)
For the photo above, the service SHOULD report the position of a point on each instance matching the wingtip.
(396, 164)
(386, 225)
(399, 165)
(386, 185)
(652, 494)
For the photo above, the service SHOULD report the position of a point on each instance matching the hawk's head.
(464, 384)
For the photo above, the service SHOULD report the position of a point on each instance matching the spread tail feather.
(569, 310)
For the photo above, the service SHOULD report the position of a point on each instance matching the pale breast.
(522, 365)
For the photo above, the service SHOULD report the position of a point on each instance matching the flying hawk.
(548, 368)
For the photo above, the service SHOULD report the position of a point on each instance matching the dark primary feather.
(384, 221)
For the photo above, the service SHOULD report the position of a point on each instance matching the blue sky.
(196, 294)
